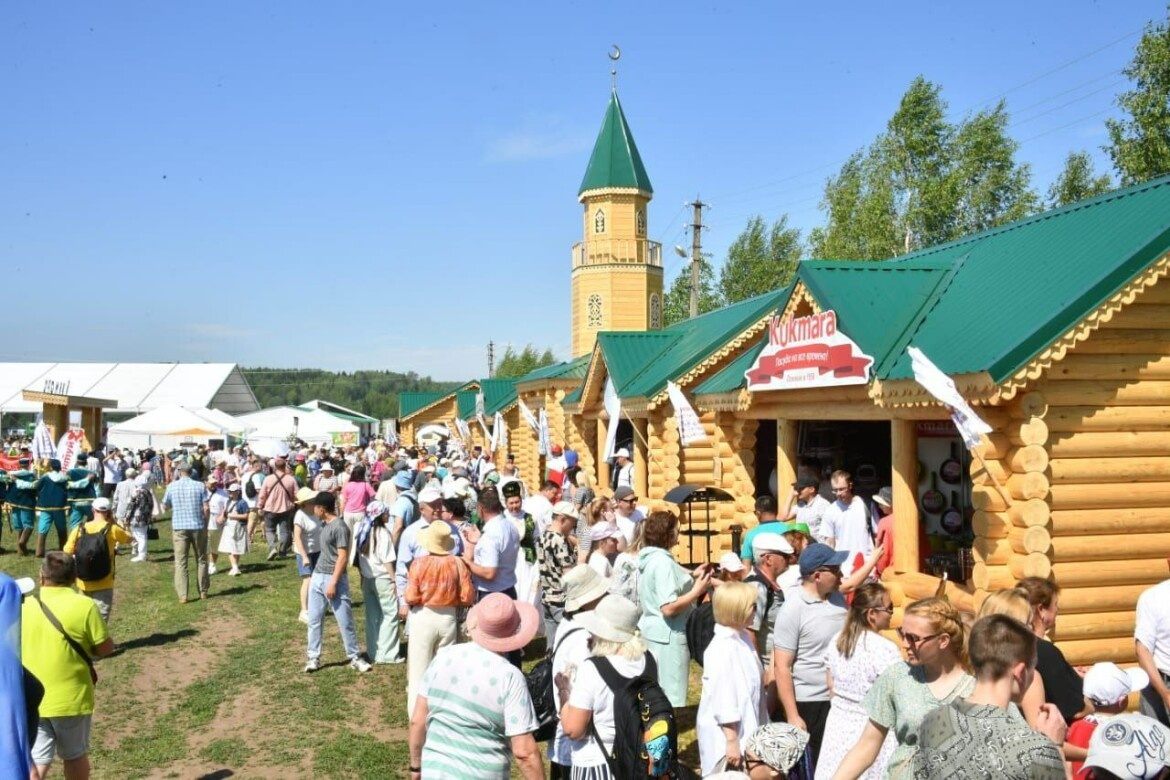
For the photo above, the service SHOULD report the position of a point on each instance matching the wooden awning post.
(904, 482)
(786, 457)
(602, 463)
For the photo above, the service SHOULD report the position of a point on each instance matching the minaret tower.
(617, 271)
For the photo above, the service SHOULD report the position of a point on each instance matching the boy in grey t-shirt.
(329, 584)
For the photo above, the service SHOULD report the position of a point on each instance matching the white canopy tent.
(310, 425)
(169, 427)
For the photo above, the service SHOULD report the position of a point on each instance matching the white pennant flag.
(690, 430)
(464, 429)
(499, 433)
(479, 412)
(529, 418)
(942, 387)
(613, 408)
(42, 443)
(487, 435)
(391, 435)
(543, 446)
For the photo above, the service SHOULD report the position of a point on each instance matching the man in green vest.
(51, 504)
(80, 491)
(22, 503)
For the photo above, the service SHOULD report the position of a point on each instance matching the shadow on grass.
(234, 591)
(218, 774)
(155, 640)
(255, 568)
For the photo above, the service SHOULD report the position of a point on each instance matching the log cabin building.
(1055, 328)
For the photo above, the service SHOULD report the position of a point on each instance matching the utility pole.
(491, 359)
(696, 252)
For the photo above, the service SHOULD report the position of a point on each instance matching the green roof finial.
(615, 161)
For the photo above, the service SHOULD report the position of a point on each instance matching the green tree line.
(370, 392)
(927, 179)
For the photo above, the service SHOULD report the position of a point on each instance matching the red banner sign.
(808, 352)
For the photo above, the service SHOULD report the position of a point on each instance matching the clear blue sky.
(387, 185)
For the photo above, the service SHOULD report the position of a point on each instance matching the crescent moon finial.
(615, 53)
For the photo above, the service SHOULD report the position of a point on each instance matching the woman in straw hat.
(473, 712)
(613, 626)
(306, 531)
(437, 585)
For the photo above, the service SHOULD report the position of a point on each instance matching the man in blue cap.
(806, 626)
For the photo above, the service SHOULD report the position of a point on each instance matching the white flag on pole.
(690, 430)
(487, 435)
(613, 408)
(942, 387)
(544, 444)
(464, 429)
(529, 418)
(479, 412)
(499, 433)
(391, 435)
(42, 443)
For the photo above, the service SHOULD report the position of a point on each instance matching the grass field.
(214, 689)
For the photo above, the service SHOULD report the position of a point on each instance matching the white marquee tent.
(311, 425)
(137, 387)
(174, 426)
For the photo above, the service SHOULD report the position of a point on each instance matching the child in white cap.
(1107, 687)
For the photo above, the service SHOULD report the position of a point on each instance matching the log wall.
(1087, 462)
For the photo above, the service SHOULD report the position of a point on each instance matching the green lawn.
(214, 689)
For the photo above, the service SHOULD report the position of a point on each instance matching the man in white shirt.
(805, 505)
(626, 514)
(624, 469)
(540, 505)
(491, 555)
(1152, 642)
(846, 521)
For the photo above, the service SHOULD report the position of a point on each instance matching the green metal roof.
(574, 396)
(571, 369)
(465, 403)
(1014, 290)
(615, 161)
(731, 377)
(409, 403)
(641, 363)
(498, 394)
(358, 418)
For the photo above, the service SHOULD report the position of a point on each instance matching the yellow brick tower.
(617, 271)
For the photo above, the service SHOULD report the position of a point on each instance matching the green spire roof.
(615, 161)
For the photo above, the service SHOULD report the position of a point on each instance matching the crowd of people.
(463, 563)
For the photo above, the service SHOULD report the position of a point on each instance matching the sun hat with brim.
(779, 745)
(326, 466)
(884, 497)
(582, 584)
(603, 531)
(306, 494)
(404, 480)
(376, 509)
(1122, 745)
(437, 539)
(501, 624)
(614, 619)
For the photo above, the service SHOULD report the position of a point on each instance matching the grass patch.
(224, 751)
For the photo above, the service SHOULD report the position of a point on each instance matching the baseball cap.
(1129, 746)
(1107, 683)
(234, 487)
(565, 509)
(806, 482)
(623, 493)
(622, 453)
(770, 542)
(429, 495)
(729, 561)
(818, 555)
(101, 505)
(603, 531)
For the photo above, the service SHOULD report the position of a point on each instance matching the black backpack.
(250, 487)
(92, 555)
(645, 732)
(540, 689)
(700, 630)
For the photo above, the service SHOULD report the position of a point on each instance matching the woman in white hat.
(613, 626)
(473, 712)
(233, 542)
(306, 530)
(584, 589)
(438, 584)
(376, 557)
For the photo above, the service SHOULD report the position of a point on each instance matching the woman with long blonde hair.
(854, 662)
(599, 510)
(935, 673)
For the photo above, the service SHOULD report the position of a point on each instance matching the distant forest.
(371, 392)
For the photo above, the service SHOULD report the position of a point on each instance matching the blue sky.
(384, 185)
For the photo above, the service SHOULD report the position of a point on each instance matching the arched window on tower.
(655, 312)
(594, 311)
(640, 222)
(599, 221)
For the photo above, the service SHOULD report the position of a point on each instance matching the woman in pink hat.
(473, 712)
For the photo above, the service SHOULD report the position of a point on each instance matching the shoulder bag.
(93, 675)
